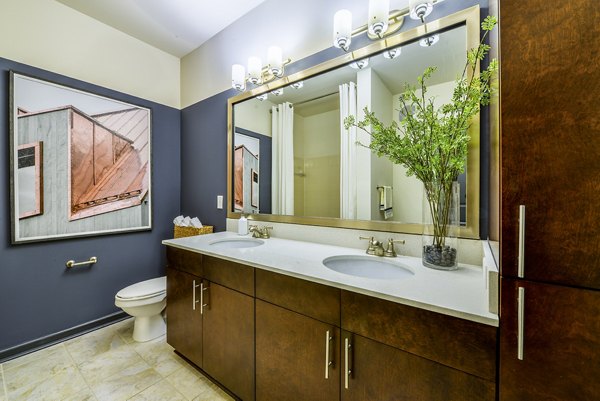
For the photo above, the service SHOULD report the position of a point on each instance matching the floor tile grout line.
(79, 371)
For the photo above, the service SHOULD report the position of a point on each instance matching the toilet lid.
(146, 288)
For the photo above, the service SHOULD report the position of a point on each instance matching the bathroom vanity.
(268, 321)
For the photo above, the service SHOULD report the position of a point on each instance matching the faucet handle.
(373, 245)
(390, 251)
(265, 232)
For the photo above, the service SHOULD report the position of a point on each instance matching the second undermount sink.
(237, 243)
(368, 266)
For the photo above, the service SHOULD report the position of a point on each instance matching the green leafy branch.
(432, 143)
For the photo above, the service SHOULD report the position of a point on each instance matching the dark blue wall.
(38, 296)
(204, 137)
(204, 159)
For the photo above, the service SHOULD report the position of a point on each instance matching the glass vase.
(440, 226)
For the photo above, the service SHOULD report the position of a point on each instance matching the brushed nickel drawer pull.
(202, 303)
(347, 368)
(521, 323)
(328, 349)
(521, 256)
(194, 300)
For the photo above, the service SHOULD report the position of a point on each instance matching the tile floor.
(105, 365)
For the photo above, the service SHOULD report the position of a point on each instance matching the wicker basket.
(191, 231)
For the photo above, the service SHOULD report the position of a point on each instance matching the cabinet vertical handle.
(520, 322)
(328, 349)
(194, 300)
(521, 256)
(202, 303)
(347, 366)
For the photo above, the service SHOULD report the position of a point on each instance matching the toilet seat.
(144, 290)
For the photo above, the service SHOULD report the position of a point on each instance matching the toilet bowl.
(145, 301)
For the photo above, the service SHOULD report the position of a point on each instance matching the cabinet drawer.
(458, 343)
(315, 300)
(229, 274)
(183, 260)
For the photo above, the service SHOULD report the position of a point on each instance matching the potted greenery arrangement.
(432, 142)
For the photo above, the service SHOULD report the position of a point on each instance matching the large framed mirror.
(291, 160)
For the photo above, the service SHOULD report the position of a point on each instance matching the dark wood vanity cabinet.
(268, 336)
(398, 352)
(184, 326)
(560, 342)
(228, 335)
(550, 176)
(381, 372)
(210, 317)
(297, 357)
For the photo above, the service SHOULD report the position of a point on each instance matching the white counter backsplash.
(469, 251)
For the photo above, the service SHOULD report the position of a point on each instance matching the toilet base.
(146, 328)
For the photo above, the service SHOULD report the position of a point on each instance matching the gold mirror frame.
(469, 17)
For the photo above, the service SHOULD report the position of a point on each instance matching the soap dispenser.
(242, 225)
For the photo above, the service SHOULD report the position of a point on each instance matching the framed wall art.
(80, 163)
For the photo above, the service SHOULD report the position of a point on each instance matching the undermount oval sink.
(367, 266)
(237, 243)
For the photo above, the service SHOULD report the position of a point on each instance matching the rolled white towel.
(195, 222)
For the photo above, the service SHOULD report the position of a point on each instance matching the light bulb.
(275, 60)
(297, 85)
(255, 70)
(342, 29)
(262, 97)
(277, 92)
(238, 77)
(379, 14)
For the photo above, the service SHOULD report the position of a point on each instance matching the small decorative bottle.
(243, 225)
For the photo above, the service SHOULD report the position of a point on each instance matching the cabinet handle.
(347, 365)
(520, 323)
(328, 350)
(521, 256)
(194, 300)
(202, 303)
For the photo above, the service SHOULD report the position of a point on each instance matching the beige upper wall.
(300, 28)
(49, 35)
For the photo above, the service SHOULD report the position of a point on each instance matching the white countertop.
(460, 293)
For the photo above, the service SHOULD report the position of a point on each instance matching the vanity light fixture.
(392, 53)
(262, 97)
(381, 21)
(297, 85)
(429, 41)
(360, 64)
(277, 92)
(257, 74)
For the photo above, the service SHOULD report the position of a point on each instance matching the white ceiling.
(174, 26)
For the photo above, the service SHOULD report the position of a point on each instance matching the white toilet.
(145, 301)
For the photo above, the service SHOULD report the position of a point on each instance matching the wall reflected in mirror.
(317, 167)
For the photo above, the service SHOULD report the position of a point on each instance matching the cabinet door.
(184, 320)
(374, 371)
(560, 342)
(550, 140)
(293, 354)
(229, 339)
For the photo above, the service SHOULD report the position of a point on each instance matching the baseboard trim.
(55, 338)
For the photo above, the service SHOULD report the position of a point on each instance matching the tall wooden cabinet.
(550, 213)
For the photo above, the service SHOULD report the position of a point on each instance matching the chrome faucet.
(376, 247)
(260, 232)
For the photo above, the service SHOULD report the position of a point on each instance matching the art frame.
(80, 163)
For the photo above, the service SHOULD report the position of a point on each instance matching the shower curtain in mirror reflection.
(80, 163)
(282, 121)
(347, 152)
